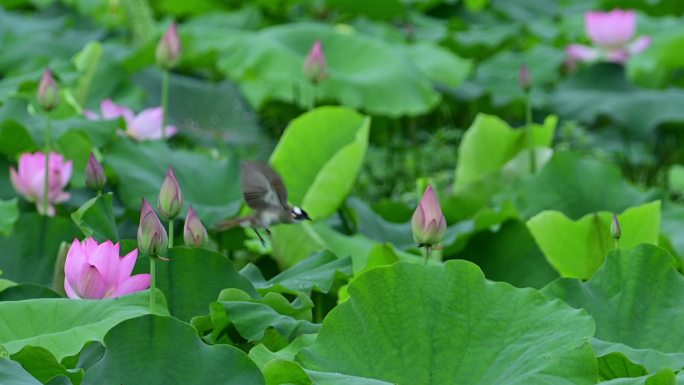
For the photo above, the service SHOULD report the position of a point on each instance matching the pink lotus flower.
(29, 180)
(315, 66)
(611, 33)
(96, 271)
(147, 125)
(428, 222)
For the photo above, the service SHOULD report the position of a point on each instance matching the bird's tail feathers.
(233, 222)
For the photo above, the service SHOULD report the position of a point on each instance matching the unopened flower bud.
(428, 222)
(48, 91)
(315, 66)
(95, 177)
(615, 230)
(152, 237)
(168, 51)
(194, 233)
(524, 78)
(170, 199)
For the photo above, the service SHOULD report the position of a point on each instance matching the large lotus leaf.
(576, 249)
(577, 186)
(635, 298)
(363, 71)
(464, 330)
(96, 218)
(439, 64)
(158, 350)
(198, 108)
(29, 254)
(317, 272)
(63, 326)
(9, 213)
(11, 373)
(603, 90)
(673, 228)
(279, 367)
(490, 142)
(664, 377)
(14, 138)
(42, 365)
(211, 185)
(499, 74)
(194, 277)
(319, 156)
(26, 291)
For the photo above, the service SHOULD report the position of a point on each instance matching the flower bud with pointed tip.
(152, 237)
(95, 177)
(524, 78)
(615, 230)
(48, 91)
(428, 222)
(170, 199)
(194, 233)
(168, 51)
(315, 66)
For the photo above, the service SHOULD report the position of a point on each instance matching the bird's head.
(299, 215)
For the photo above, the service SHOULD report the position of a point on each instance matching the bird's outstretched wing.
(262, 187)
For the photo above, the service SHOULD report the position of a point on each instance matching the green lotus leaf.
(458, 320)
(161, 350)
(635, 298)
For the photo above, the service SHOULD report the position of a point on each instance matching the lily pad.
(362, 70)
(576, 249)
(502, 335)
(66, 324)
(140, 351)
(210, 184)
(635, 298)
(320, 171)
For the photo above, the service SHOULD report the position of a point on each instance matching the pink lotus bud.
(194, 233)
(524, 78)
(152, 237)
(315, 66)
(95, 177)
(29, 180)
(96, 271)
(48, 92)
(615, 230)
(428, 222)
(168, 52)
(170, 198)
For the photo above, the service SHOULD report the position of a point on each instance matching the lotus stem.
(153, 282)
(46, 191)
(165, 100)
(530, 131)
(170, 233)
(428, 253)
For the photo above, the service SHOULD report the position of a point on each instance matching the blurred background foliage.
(437, 81)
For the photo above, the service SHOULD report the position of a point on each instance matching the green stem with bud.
(170, 233)
(428, 252)
(153, 282)
(529, 131)
(165, 100)
(46, 192)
